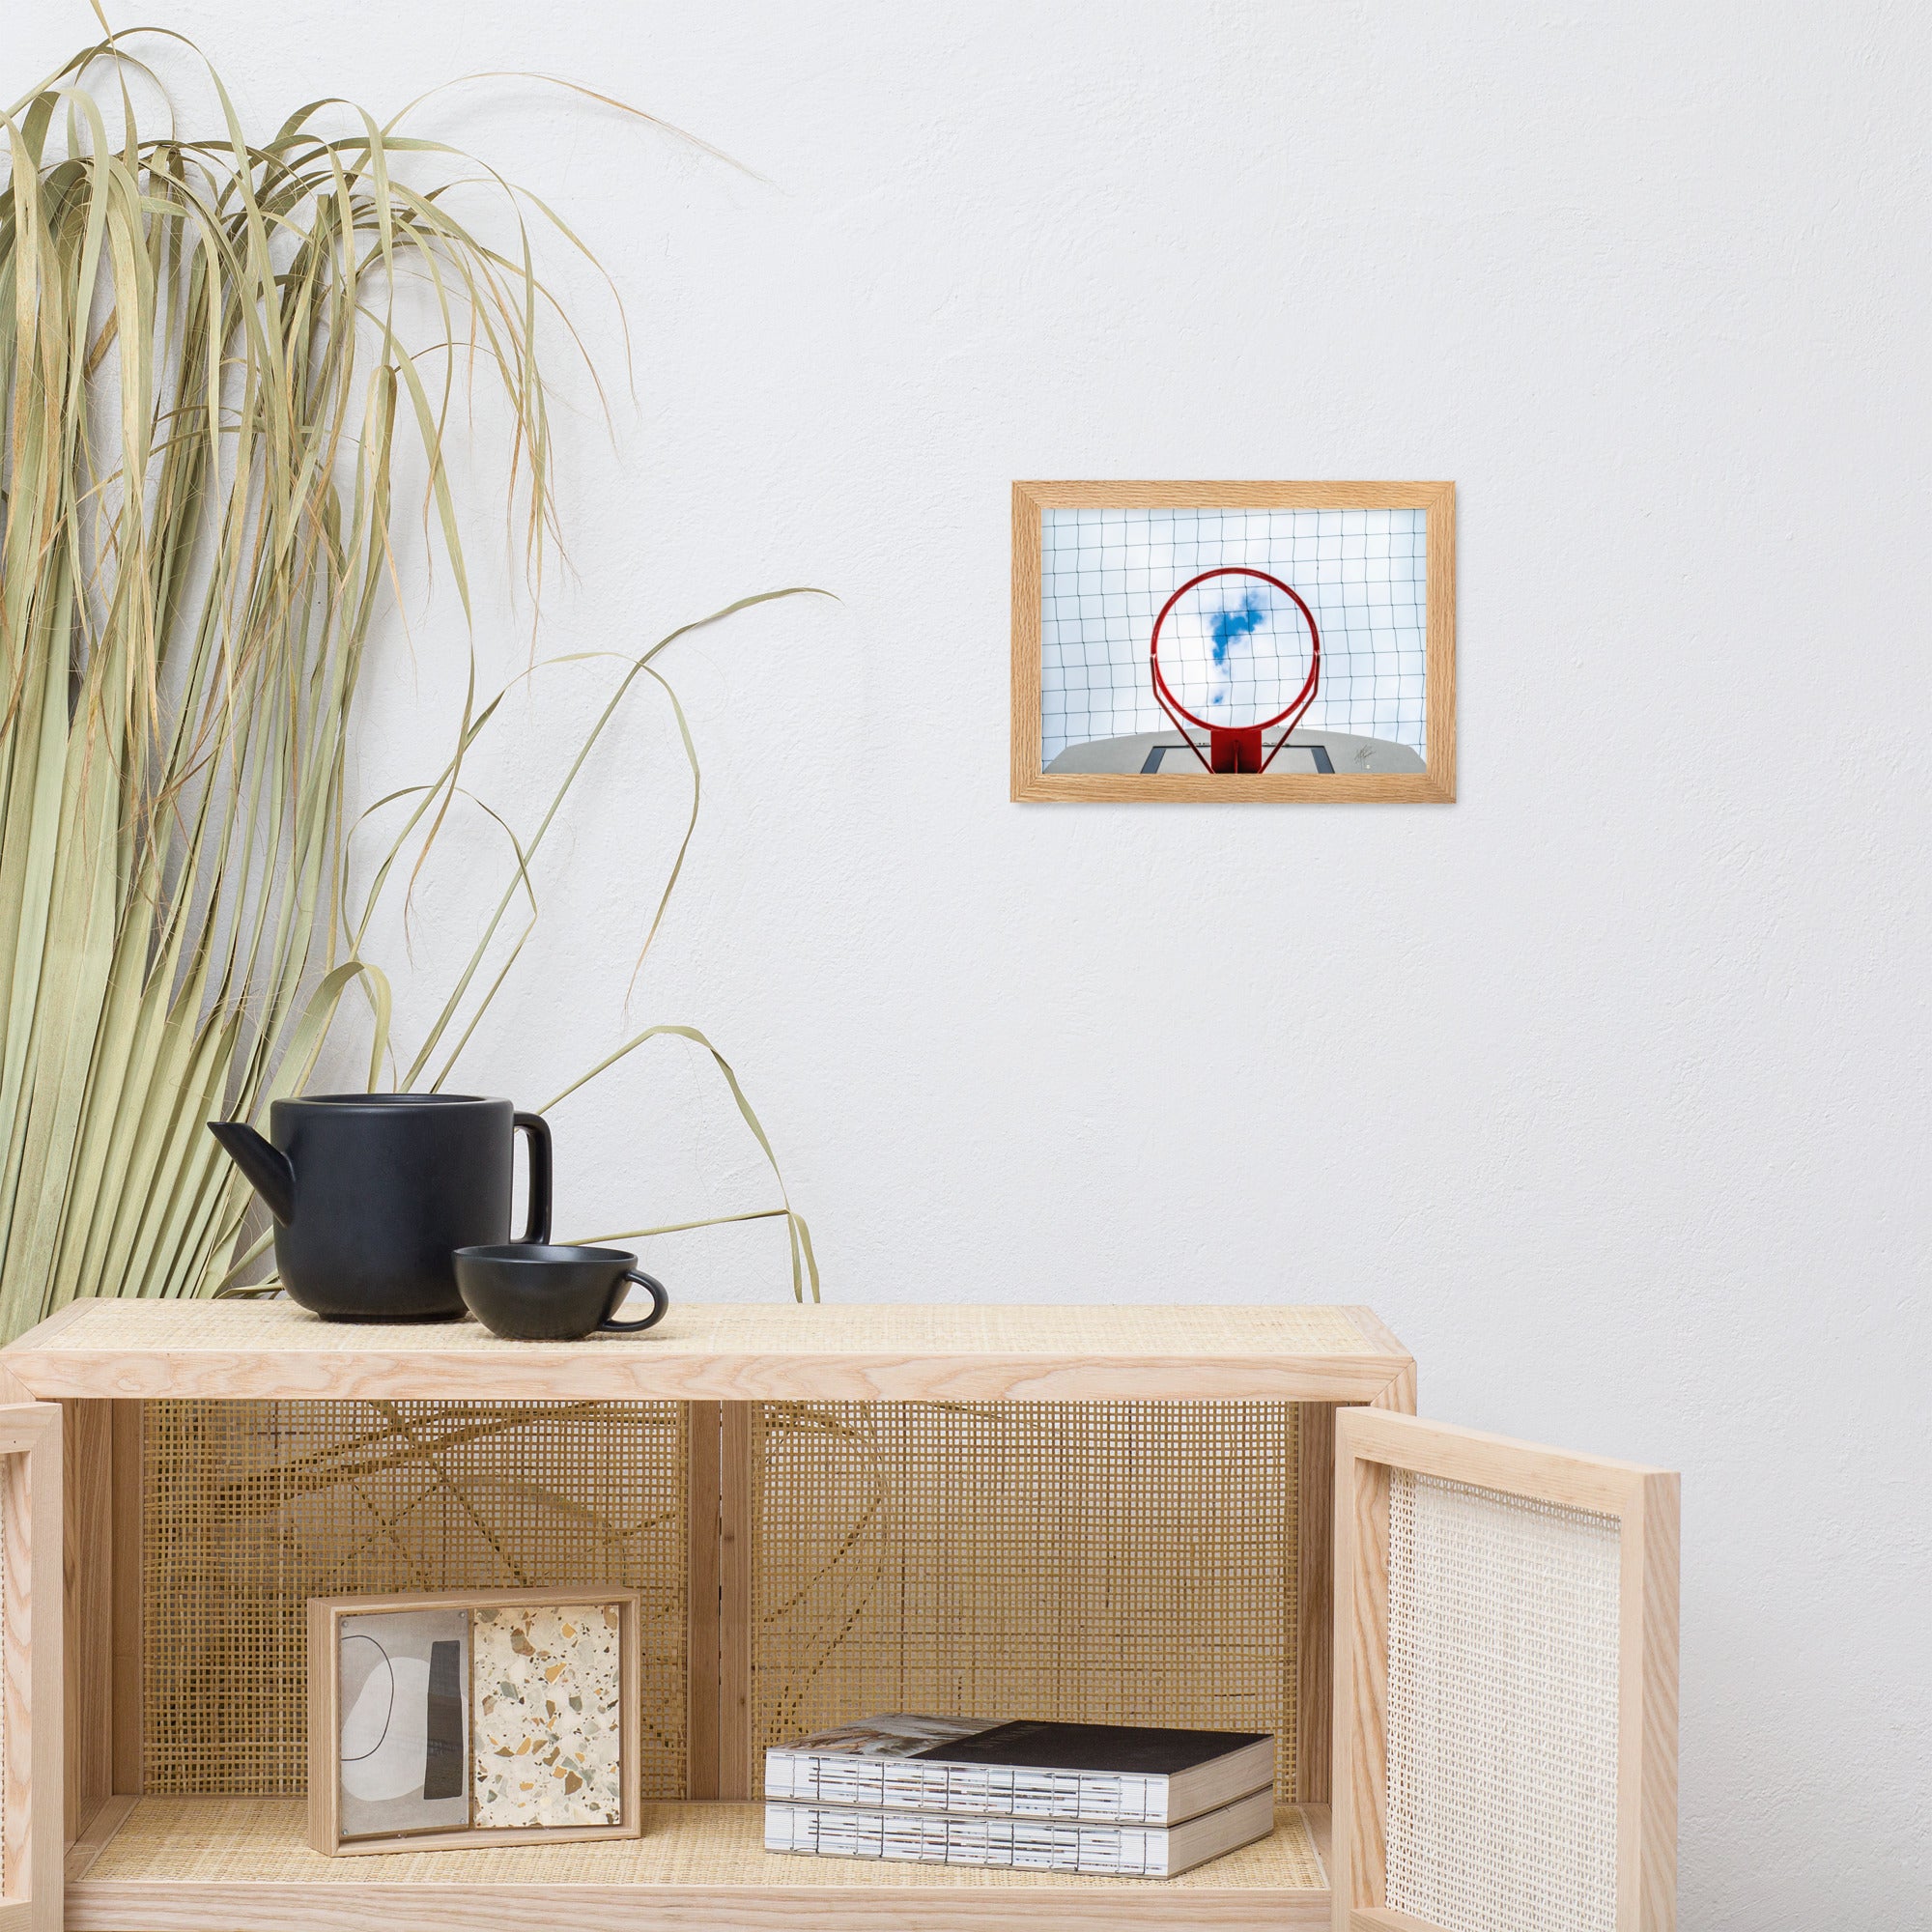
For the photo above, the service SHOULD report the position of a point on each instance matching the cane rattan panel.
(250, 1507)
(1123, 1562)
(1502, 1710)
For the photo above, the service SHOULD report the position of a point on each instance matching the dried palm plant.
(210, 379)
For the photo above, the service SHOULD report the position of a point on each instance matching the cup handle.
(659, 1301)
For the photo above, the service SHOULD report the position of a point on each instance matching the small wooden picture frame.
(1234, 642)
(414, 1700)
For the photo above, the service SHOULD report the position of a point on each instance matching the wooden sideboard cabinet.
(1465, 1648)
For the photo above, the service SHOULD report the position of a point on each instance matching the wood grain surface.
(730, 1352)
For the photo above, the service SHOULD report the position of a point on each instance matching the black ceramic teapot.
(373, 1192)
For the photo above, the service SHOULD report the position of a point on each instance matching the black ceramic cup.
(530, 1291)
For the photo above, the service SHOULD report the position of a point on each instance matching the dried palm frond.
(210, 383)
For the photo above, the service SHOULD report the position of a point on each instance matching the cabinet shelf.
(240, 1865)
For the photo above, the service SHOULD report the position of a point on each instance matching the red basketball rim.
(1296, 706)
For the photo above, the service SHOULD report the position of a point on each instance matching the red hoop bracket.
(1237, 748)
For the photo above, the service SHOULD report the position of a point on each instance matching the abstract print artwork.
(1187, 641)
(405, 1730)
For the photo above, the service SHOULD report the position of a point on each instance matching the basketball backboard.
(1166, 754)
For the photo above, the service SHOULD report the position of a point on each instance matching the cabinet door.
(30, 1668)
(1505, 1685)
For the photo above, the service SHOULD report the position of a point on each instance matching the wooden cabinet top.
(753, 1352)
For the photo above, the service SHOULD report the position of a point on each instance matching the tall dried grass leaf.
(207, 382)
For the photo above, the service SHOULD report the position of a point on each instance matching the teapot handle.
(537, 1127)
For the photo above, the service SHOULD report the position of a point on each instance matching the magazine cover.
(897, 1734)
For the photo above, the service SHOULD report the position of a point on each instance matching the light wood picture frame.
(326, 1617)
(1375, 1450)
(1107, 555)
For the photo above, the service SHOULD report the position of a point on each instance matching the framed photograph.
(482, 1718)
(1234, 641)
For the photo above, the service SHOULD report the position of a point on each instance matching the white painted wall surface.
(1608, 1085)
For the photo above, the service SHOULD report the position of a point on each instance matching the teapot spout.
(266, 1166)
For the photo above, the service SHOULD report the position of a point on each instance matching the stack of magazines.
(1116, 1800)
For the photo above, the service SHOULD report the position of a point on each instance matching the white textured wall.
(1608, 1085)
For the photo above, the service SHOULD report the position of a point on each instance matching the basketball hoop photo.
(1240, 642)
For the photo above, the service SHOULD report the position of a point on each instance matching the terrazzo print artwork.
(548, 1725)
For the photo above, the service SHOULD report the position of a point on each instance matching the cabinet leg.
(88, 1566)
(736, 1777)
(129, 1770)
(702, 1453)
(718, 1574)
(1315, 1653)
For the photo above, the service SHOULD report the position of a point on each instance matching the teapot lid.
(389, 1100)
